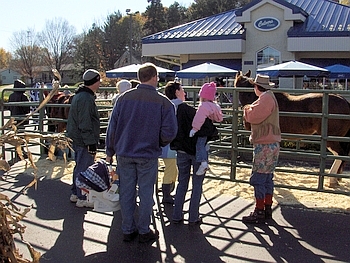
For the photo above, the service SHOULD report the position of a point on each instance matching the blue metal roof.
(324, 18)
(214, 27)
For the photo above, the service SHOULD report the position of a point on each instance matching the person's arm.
(110, 135)
(86, 114)
(199, 118)
(169, 124)
(218, 116)
(183, 142)
(208, 129)
(25, 110)
(258, 111)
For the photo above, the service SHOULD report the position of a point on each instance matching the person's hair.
(170, 89)
(261, 89)
(146, 72)
(134, 83)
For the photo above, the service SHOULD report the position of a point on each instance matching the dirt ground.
(212, 187)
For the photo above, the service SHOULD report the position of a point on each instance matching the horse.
(310, 103)
(60, 112)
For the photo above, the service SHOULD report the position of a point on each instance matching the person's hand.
(92, 148)
(192, 132)
(247, 107)
(109, 159)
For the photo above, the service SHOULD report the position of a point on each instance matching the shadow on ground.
(64, 233)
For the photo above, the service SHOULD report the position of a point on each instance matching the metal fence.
(233, 144)
(40, 121)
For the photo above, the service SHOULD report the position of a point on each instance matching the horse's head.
(242, 81)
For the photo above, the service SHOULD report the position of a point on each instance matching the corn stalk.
(10, 215)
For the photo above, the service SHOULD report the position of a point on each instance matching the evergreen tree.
(155, 14)
(205, 8)
(114, 43)
(176, 15)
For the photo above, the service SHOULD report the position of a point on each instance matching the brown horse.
(60, 112)
(309, 103)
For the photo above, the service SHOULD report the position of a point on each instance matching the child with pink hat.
(207, 108)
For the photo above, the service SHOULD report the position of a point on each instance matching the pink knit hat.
(208, 91)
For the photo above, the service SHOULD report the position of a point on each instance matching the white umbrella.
(205, 70)
(293, 69)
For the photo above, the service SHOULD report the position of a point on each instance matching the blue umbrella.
(205, 70)
(130, 72)
(339, 71)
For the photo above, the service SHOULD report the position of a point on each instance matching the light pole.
(128, 12)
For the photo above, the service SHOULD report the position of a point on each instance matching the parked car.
(48, 85)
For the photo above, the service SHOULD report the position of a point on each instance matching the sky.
(21, 15)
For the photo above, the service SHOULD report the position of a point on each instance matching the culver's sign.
(267, 23)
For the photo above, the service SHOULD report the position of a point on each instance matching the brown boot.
(268, 212)
(256, 217)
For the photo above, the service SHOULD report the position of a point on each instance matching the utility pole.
(130, 35)
(128, 12)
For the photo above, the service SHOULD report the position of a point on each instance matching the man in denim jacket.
(141, 123)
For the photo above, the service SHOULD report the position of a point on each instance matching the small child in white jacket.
(207, 108)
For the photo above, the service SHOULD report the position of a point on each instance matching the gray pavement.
(64, 233)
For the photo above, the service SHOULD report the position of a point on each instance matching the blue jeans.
(201, 151)
(184, 163)
(82, 161)
(133, 172)
(263, 184)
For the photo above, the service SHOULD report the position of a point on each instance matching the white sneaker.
(84, 203)
(202, 169)
(73, 198)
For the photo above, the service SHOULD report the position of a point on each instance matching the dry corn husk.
(10, 215)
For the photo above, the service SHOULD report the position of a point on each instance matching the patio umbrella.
(130, 72)
(293, 69)
(205, 70)
(339, 71)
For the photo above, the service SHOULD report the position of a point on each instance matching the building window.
(268, 57)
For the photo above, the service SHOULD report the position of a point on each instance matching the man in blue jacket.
(141, 123)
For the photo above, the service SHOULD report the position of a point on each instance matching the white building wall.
(325, 44)
(194, 47)
(257, 39)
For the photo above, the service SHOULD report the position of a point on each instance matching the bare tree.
(26, 53)
(57, 39)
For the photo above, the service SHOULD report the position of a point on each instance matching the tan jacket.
(263, 114)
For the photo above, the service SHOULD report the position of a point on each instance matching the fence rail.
(239, 145)
(233, 140)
